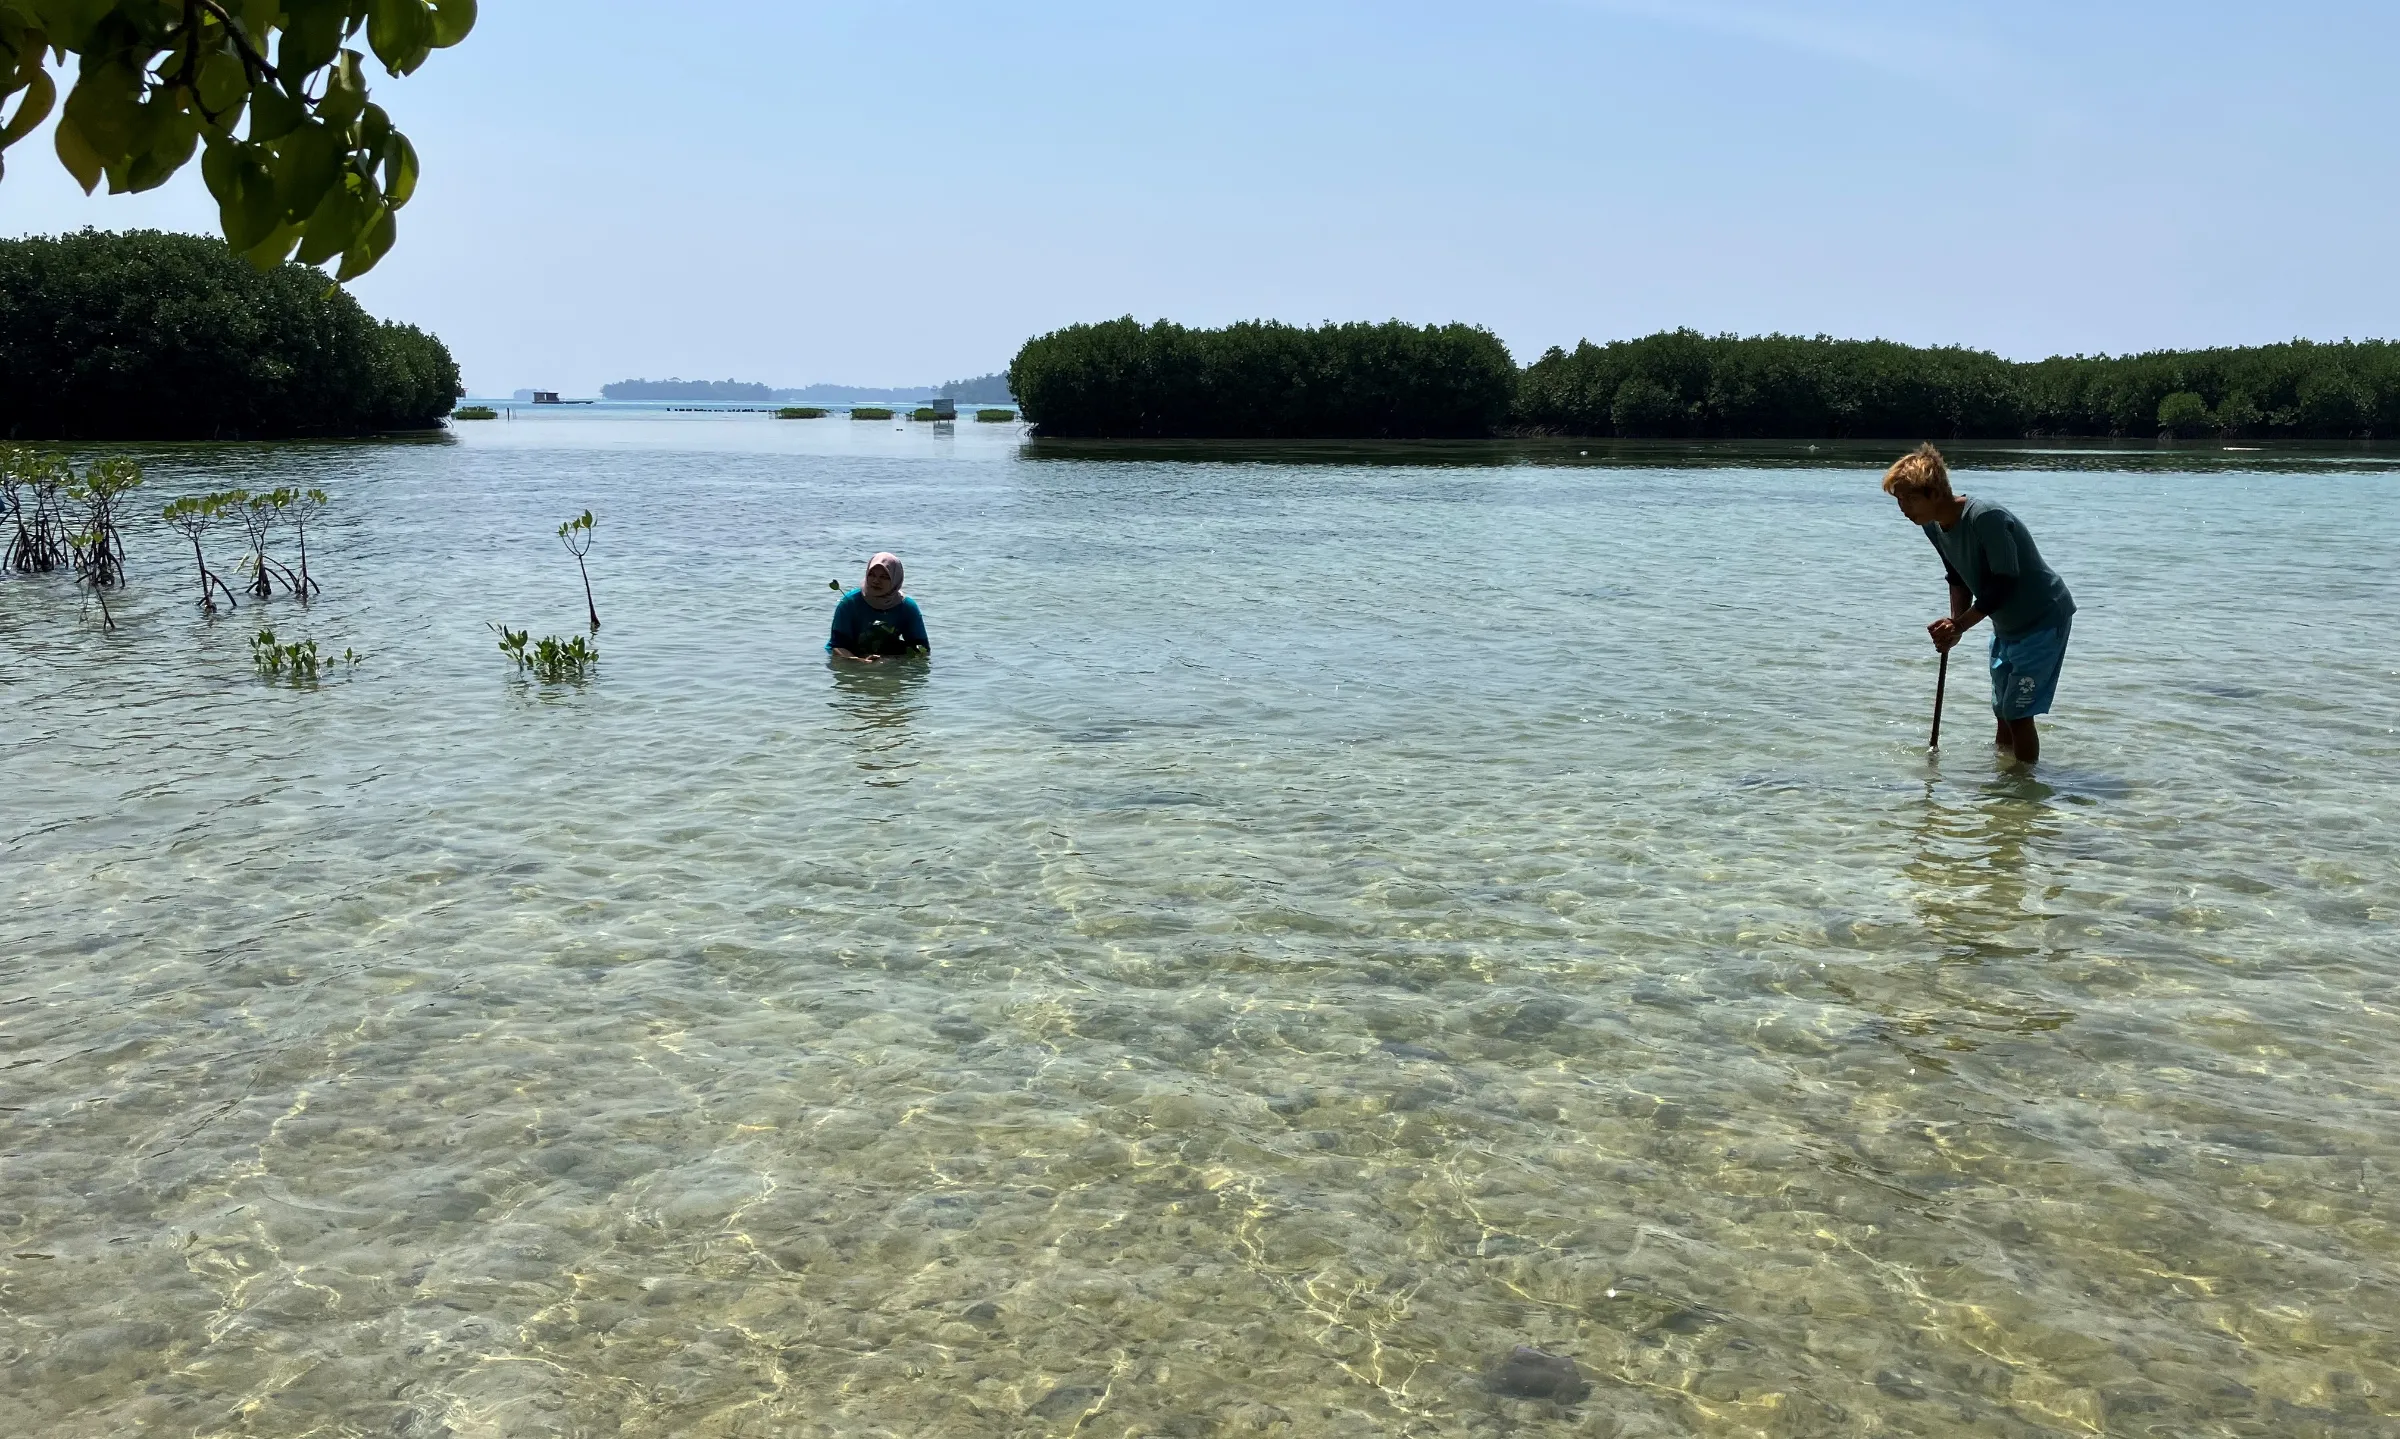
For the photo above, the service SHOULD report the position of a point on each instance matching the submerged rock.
(1528, 1373)
(1065, 1400)
(1898, 1385)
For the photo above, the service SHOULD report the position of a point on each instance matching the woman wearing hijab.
(876, 621)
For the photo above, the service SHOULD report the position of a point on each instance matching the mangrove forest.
(147, 335)
(1262, 380)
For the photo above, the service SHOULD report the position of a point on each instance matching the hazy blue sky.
(901, 194)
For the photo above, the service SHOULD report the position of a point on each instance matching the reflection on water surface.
(1256, 975)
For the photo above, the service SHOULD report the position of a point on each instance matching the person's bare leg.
(2003, 737)
(2022, 739)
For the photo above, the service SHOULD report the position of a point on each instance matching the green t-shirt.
(1989, 552)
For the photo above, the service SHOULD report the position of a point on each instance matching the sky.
(902, 194)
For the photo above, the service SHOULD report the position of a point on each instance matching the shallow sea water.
(1310, 928)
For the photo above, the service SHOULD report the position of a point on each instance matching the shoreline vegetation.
(151, 335)
(1121, 379)
(1263, 380)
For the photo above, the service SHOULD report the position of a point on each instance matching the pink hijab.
(891, 566)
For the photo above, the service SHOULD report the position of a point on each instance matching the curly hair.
(1921, 471)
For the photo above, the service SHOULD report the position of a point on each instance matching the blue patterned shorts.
(2025, 670)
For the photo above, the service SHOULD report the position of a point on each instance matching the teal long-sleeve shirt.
(862, 629)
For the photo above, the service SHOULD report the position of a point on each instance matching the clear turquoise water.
(1315, 924)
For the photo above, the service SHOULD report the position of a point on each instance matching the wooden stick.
(1941, 681)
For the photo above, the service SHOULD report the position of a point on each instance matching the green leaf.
(273, 114)
(372, 128)
(312, 36)
(224, 84)
(41, 92)
(401, 34)
(399, 169)
(106, 107)
(273, 250)
(334, 226)
(309, 164)
(258, 19)
(245, 189)
(172, 140)
(452, 19)
(77, 154)
(70, 22)
(345, 92)
(374, 242)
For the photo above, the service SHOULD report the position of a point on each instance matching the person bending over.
(876, 621)
(1996, 574)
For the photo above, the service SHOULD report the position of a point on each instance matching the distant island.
(1265, 380)
(989, 389)
(983, 390)
(706, 392)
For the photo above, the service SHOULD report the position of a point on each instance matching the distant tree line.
(1265, 381)
(730, 392)
(146, 335)
(989, 389)
(985, 389)
(1682, 383)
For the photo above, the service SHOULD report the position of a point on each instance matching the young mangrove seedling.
(192, 517)
(549, 659)
(576, 535)
(296, 661)
(260, 515)
(33, 483)
(98, 549)
(85, 544)
(305, 505)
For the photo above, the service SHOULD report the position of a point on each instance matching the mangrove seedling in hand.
(576, 535)
(192, 517)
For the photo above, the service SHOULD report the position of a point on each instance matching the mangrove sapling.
(549, 659)
(87, 545)
(260, 514)
(305, 505)
(33, 483)
(192, 517)
(576, 535)
(97, 548)
(12, 514)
